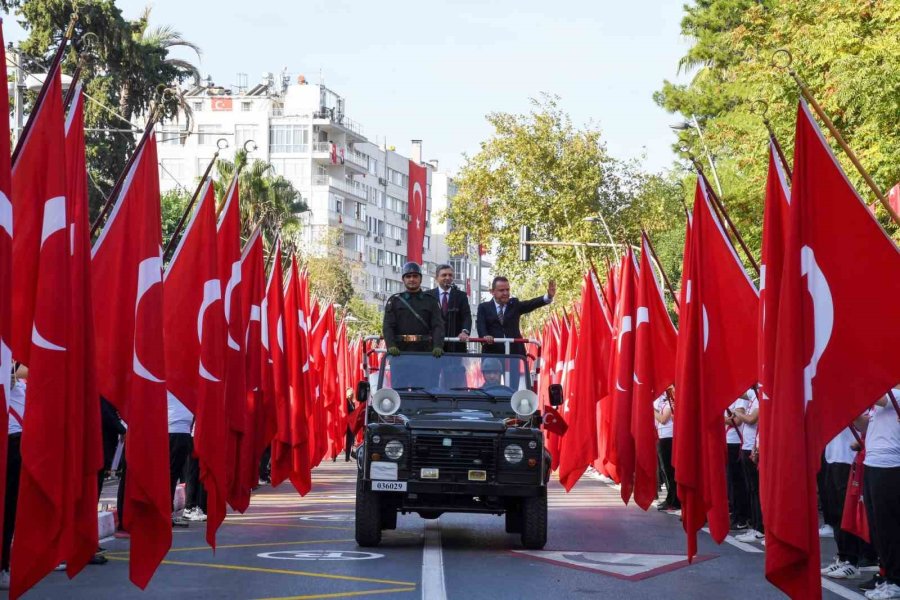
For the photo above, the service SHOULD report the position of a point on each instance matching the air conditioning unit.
(368, 234)
(382, 181)
(399, 242)
(377, 239)
(380, 295)
(395, 269)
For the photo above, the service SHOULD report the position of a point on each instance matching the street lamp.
(685, 126)
(599, 217)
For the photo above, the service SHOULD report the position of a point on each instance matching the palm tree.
(267, 200)
(149, 60)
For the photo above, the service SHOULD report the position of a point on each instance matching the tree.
(539, 170)
(172, 204)
(366, 317)
(329, 279)
(267, 200)
(845, 50)
(124, 65)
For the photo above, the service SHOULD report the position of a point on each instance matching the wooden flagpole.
(659, 264)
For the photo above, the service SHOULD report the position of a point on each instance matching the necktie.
(444, 303)
(500, 313)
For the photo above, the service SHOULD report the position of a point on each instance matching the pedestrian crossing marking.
(632, 567)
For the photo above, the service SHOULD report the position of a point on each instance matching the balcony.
(354, 188)
(328, 117)
(357, 162)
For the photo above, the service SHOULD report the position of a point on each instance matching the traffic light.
(524, 249)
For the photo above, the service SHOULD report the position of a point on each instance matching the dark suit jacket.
(458, 317)
(488, 323)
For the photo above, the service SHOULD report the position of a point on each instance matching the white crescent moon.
(53, 222)
(233, 282)
(279, 331)
(6, 218)
(643, 316)
(149, 274)
(823, 314)
(254, 316)
(626, 327)
(264, 322)
(705, 327)
(301, 318)
(212, 293)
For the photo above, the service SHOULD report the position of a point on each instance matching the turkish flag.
(716, 363)
(549, 338)
(281, 443)
(836, 348)
(621, 387)
(554, 422)
(128, 323)
(654, 371)
(221, 104)
(608, 450)
(6, 231)
(84, 418)
(298, 367)
(418, 180)
(260, 416)
(42, 318)
(323, 353)
(194, 329)
(576, 448)
(228, 249)
(345, 385)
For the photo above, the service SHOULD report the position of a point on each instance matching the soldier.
(413, 313)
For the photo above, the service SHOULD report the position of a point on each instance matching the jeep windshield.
(471, 375)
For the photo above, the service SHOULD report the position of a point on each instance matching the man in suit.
(455, 308)
(499, 318)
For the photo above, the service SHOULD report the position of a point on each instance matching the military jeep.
(460, 433)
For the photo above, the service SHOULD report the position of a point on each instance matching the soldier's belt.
(415, 338)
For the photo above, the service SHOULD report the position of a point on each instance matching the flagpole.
(155, 113)
(55, 65)
(772, 138)
(190, 205)
(661, 270)
(807, 94)
(724, 213)
(600, 287)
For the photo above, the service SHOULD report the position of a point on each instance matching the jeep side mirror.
(362, 391)
(556, 396)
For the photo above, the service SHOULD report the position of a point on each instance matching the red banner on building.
(221, 103)
(418, 178)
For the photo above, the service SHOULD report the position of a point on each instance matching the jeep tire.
(388, 516)
(368, 515)
(534, 521)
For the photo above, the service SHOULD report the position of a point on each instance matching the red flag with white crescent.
(418, 180)
(281, 443)
(654, 371)
(84, 419)
(42, 315)
(128, 323)
(194, 329)
(259, 424)
(836, 349)
(6, 232)
(715, 363)
(228, 248)
(298, 385)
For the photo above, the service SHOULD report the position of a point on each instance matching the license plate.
(388, 486)
(383, 470)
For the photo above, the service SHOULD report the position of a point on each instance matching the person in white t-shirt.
(181, 445)
(16, 411)
(748, 419)
(881, 491)
(839, 456)
(665, 419)
(738, 501)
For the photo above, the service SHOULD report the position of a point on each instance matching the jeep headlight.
(513, 454)
(394, 449)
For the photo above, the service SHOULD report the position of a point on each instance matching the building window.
(373, 166)
(246, 106)
(171, 136)
(171, 169)
(277, 109)
(243, 134)
(338, 204)
(197, 106)
(321, 175)
(288, 138)
(206, 134)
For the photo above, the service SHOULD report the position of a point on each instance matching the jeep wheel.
(368, 515)
(534, 521)
(430, 514)
(388, 516)
(513, 518)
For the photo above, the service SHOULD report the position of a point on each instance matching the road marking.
(288, 525)
(259, 545)
(325, 555)
(330, 517)
(841, 590)
(739, 545)
(433, 585)
(345, 594)
(628, 566)
(280, 572)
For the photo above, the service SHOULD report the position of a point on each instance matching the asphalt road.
(286, 546)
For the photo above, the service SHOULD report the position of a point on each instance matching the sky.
(433, 70)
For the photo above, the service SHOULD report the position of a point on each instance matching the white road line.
(841, 590)
(433, 586)
(739, 545)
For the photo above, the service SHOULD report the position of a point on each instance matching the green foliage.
(267, 200)
(172, 207)
(845, 50)
(124, 63)
(366, 317)
(329, 279)
(539, 170)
